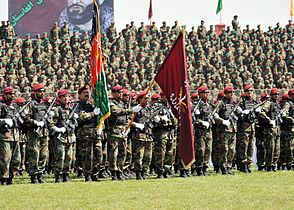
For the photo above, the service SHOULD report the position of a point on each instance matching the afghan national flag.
(291, 8)
(172, 77)
(219, 6)
(98, 79)
(150, 12)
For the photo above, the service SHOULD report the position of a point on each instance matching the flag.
(172, 77)
(98, 79)
(219, 6)
(291, 8)
(150, 12)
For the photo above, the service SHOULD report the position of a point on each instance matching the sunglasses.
(249, 91)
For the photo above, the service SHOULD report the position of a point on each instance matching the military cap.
(116, 88)
(194, 95)
(125, 92)
(228, 89)
(37, 87)
(142, 94)
(291, 92)
(247, 87)
(85, 87)
(202, 89)
(263, 96)
(20, 100)
(131, 94)
(274, 91)
(62, 92)
(155, 96)
(220, 95)
(8, 90)
(285, 96)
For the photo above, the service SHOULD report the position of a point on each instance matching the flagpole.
(220, 17)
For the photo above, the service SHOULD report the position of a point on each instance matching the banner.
(219, 6)
(38, 16)
(172, 77)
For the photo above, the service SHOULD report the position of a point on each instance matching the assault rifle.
(251, 113)
(46, 116)
(278, 118)
(148, 122)
(70, 123)
(233, 117)
(194, 111)
(211, 115)
(17, 117)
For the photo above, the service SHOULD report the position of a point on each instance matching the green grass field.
(258, 190)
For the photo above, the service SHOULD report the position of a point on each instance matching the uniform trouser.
(287, 141)
(272, 146)
(227, 148)
(164, 148)
(22, 146)
(260, 147)
(9, 158)
(62, 157)
(215, 148)
(104, 161)
(245, 145)
(142, 154)
(203, 143)
(128, 162)
(117, 151)
(37, 149)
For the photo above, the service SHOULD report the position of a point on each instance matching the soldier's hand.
(60, 130)
(125, 133)
(258, 110)
(226, 123)
(137, 108)
(39, 123)
(273, 123)
(8, 122)
(139, 125)
(246, 111)
(197, 112)
(97, 111)
(75, 116)
(205, 123)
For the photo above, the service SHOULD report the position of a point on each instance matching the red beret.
(131, 94)
(291, 92)
(194, 95)
(20, 100)
(247, 87)
(156, 96)
(125, 92)
(202, 89)
(263, 95)
(37, 87)
(142, 94)
(116, 88)
(8, 90)
(285, 96)
(221, 94)
(243, 95)
(62, 92)
(47, 99)
(228, 89)
(85, 87)
(274, 91)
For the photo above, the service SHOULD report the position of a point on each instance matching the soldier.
(202, 131)
(55, 31)
(117, 134)
(142, 141)
(9, 33)
(38, 135)
(163, 134)
(63, 127)
(269, 113)
(226, 118)
(2, 30)
(88, 138)
(245, 134)
(236, 24)
(201, 31)
(9, 138)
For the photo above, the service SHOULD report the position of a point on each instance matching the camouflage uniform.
(89, 141)
(164, 137)
(9, 143)
(117, 143)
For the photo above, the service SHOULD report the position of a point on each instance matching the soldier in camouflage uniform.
(202, 121)
(141, 137)
(37, 146)
(270, 110)
(164, 136)
(117, 135)
(226, 118)
(88, 138)
(288, 120)
(9, 138)
(245, 134)
(63, 136)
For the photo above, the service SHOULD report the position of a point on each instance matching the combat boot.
(260, 168)
(9, 180)
(183, 173)
(103, 174)
(80, 173)
(58, 178)
(119, 175)
(138, 175)
(199, 171)
(274, 168)
(248, 168)
(159, 175)
(193, 171)
(204, 170)
(224, 170)
(3, 181)
(34, 179)
(65, 177)
(144, 174)
(113, 175)
(217, 169)
(95, 178)
(269, 168)
(88, 178)
(40, 178)
(229, 170)
(243, 168)
(166, 175)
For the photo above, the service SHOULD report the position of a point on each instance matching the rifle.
(211, 115)
(17, 116)
(46, 116)
(278, 118)
(150, 118)
(68, 123)
(194, 110)
(252, 110)
(233, 117)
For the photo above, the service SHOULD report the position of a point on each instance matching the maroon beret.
(285, 96)
(8, 90)
(62, 92)
(85, 87)
(228, 89)
(291, 92)
(247, 87)
(131, 94)
(202, 89)
(141, 94)
(125, 92)
(37, 87)
(263, 95)
(221, 94)
(155, 96)
(194, 95)
(20, 100)
(274, 91)
(116, 88)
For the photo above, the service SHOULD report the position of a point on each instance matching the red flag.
(173, 80)
(150, 12)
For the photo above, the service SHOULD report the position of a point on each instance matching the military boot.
(224, 170)
(119, 175)
(113, 175)
(229, 170)
(199, 171)
(3, 181)
(65, 177)
(40, 178)
(138, 175)
(159, 175)
(34, 179)
(166, 175)
(193, 171)
(88, 178)
(58, 178)
(204, 170)
(144, 174)
(183, 173)
(243, 168)
(9, 180)
(95, 178)
(248, 168)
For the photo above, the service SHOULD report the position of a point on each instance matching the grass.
(258, 190)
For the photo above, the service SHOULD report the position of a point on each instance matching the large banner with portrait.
(38, 16)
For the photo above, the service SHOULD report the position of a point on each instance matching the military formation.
(48, 119)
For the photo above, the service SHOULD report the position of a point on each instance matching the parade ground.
(258, 190)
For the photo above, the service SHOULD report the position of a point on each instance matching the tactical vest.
(142, 115)
(227, 109)
(205, 110)
(88, 108)
(114, 120)
(38, 110)
(7, 111)
(248, 104)
(274, 110)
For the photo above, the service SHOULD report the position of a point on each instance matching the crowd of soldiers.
(41, 133)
